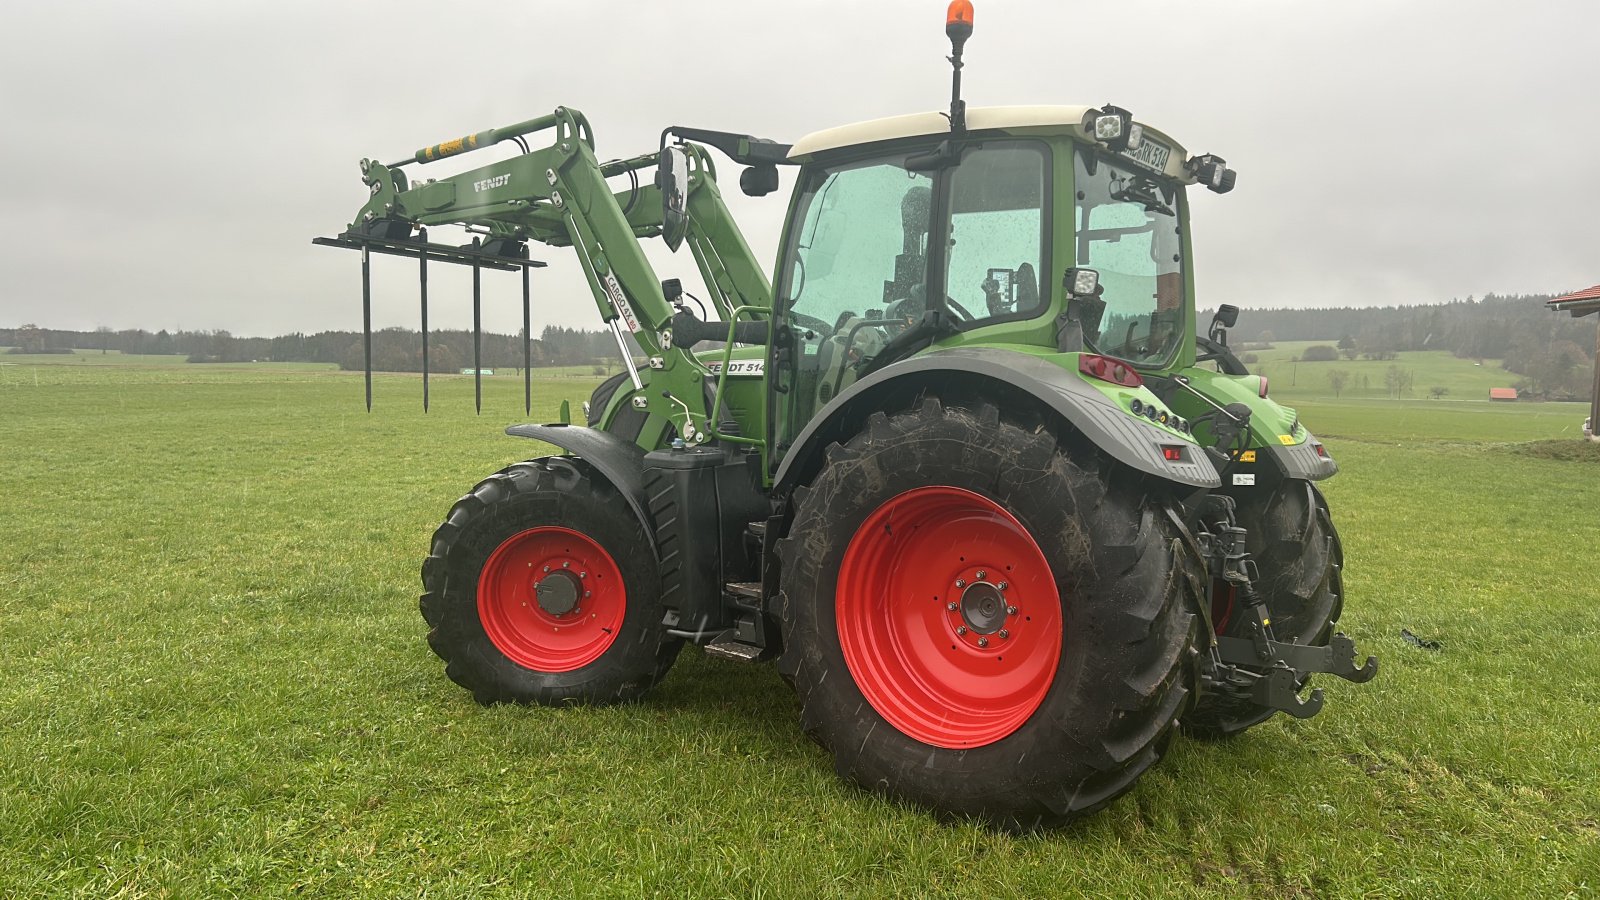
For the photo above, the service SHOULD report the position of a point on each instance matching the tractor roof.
(1056, 119)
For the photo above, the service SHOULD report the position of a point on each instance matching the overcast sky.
(166, 164)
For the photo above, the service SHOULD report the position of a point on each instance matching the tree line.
(393, 349)
(1554, 352)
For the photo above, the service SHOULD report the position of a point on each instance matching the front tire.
(539, 588)
(936, 508)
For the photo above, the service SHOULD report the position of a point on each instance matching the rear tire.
(1291, 537)
(539, 588)
(1104, 630)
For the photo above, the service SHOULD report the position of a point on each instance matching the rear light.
(1263, 389)
(1107, 369)
(1172, 453)
(1321, 450)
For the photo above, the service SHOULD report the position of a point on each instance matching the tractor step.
(734, 650)
(745, 595)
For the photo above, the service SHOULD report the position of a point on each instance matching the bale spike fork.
(496, 254)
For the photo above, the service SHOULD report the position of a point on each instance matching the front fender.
(995, 374)
(619, 461)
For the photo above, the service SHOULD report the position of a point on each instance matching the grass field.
(213, 680)
(1463, 379)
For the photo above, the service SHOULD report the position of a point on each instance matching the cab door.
(853, 275)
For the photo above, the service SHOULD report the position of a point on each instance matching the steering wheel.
(966, 315)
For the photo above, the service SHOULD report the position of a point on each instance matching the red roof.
(1585, 294)
(1502, 393)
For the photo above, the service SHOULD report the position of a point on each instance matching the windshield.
(1127, 228)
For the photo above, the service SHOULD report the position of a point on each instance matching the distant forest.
(393, 349)
(1553, 352)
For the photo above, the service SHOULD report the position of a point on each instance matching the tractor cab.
(905, 236)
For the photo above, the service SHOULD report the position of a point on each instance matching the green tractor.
(962, 467)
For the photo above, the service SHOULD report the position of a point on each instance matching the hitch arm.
(1337, 658)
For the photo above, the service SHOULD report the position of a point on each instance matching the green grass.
(1464, 379)
(213, 681)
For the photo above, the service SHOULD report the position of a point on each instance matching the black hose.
(688, 331)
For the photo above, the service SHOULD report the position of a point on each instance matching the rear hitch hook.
(1277, 689)
(1343, 652)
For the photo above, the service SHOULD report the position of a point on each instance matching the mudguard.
(994, 373)
(1300, 460)
(619, 461)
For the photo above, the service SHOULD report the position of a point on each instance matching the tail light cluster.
(1107, 369)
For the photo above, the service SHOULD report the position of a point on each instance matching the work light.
(1114, 127)
(1213, 172)
(1081, 282)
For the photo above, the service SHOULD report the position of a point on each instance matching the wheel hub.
(557, 592)
(983, 607)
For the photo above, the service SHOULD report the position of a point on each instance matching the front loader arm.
(555, 195)
(558, 195)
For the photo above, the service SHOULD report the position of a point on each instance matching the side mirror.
(1227, 314)
(672, 177)
(759, 181)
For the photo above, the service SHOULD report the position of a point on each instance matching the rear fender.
(1004, 376)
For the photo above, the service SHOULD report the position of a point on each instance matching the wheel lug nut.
(583, 574)
(961, 629)
(983, 642)
(950, 606)
(960, 583)
(547, 568)
(1004, 634)
(982, 574)
(1003, 585)
(1011, 610)
(566, 565)
(585, 595)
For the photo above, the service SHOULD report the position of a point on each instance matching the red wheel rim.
(948, 617)
(582, 606)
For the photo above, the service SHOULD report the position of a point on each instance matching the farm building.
(1582, 303)
(1502, 393)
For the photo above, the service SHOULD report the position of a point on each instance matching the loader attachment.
(392, 237)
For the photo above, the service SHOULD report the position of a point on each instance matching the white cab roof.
(980, 118)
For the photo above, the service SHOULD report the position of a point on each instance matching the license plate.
(1150, 155)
